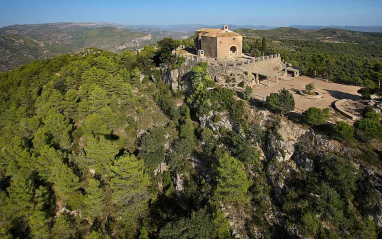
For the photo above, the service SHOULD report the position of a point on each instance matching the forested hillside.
(323, 35)
(96, 145)
(355, 61)
(22, 44)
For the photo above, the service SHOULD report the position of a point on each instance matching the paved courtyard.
(330, 91)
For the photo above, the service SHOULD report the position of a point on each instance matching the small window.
(234, 38)
(220, 41)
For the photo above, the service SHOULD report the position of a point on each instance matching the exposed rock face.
(210, 122)
(281, 144)
(230, 76)
(179, 182)
(236, 218)
(179, 79)
(302, 160)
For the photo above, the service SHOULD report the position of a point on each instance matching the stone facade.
(219, 43)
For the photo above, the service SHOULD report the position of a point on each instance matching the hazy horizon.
(191, 24)
(163, 13)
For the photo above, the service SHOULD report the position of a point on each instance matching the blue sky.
(173, 12)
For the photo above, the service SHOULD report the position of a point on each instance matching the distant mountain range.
(22, 44)
(188, 28)
(350, 28)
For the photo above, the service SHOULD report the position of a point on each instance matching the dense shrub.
(282, 101)
(367, 129)
(365, 93)
(315, 116)
(343, 131)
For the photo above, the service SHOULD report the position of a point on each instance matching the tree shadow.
(279, 232)
(111, 137)
(257, 103)
(342, 95)
(240, 94)
(295, 117)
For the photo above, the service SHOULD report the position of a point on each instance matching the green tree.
(94, 125)
(63, 227)
(59, 128)
(94, 201)
(153, 151)
(240, 147)
(130, 196)
(197, 99)
(282, 101)
(143, 233)
(198, 226)
(248, 92)
(373, 116)
(97, 99)
(20, 196)
(273, 101)
(309, 87)
(365, 93)
(39, 225)
(166, 46)
(100, 152)
(343, 131)
(341, 174)
(315, 116)
(71, 103)
(367, 129)
(310, 224)
(65, 182)
(220, 224)
(264, 45)
(232, 182)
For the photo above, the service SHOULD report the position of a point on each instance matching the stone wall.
(224, 44)
(273, 64)
(338, 105)
(225, 73)
(232, 74)
(209, 46)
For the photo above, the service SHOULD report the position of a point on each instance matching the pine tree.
(101, 152)
(129, 185)
(58, 126)
(153, 151)
(94, 201)
(65, 182)
(97, 99)
(71, 103)
(232, 181)
(263, 45)
(94, 125)
(63, 227)
(39, 225)
(20, 194)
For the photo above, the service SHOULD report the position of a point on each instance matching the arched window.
(233, 51)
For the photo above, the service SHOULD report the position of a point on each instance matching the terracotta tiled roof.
(209, 30)
(213, 32)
